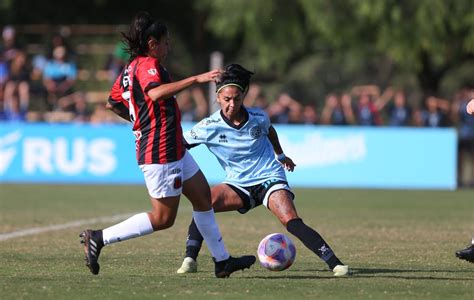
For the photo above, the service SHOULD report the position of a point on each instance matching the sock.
(206, 223)
(133, 227)
(472, 241)
(194, 242)
(313, 241)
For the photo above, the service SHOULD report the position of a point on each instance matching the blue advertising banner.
(348, 157)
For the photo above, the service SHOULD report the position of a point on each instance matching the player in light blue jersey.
(247, 147)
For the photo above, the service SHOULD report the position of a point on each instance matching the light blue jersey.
(244, 151)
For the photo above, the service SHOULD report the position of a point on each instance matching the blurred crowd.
(39, 87)
(42, 88)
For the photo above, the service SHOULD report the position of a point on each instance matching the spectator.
(3, 79)
(434, 113)
(399, 113)
(337, 111)
(9, 45)
(76, 104)
(59, 76)
(60, 40)
(309, 115)
(285, 110)
(255, 97)
(117, 61)
(366, 111)
(295, 115)
(14, 112)
(261, 101)
(465, 124)
(17, 87)
(193, 105)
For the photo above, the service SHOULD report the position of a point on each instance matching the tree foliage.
(426, 37)
(302, 44)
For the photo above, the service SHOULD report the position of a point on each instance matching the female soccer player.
(144, 95)
(245, 144)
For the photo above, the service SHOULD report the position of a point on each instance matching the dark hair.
(141, 29)
(234, 74)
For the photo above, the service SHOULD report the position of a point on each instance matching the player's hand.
(208, 76)
(470, 107)
(288, 164)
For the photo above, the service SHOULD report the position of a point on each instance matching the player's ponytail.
(141, 29)
(236, 75)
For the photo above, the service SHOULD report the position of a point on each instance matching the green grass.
(400, 245)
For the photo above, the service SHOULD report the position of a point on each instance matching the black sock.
(313, 241)
(194, 242)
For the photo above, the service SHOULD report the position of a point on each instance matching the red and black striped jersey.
(156, 124)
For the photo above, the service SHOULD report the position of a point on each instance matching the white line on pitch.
(83, 222)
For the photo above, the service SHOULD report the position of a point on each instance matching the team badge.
(177, 182)
(255, 132)
(152, 71)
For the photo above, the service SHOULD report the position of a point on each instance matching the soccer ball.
(276, 252)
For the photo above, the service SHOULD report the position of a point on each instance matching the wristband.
(281, 157)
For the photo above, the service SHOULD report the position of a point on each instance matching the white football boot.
(341, 270)
(189, 266)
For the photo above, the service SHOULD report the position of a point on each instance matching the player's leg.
(280, 202)
(164, 194)
(196, 189)
(224, 198)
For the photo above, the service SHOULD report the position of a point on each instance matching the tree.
(425, 37)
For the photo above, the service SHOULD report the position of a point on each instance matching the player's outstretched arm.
(287, 162)
(169, 89)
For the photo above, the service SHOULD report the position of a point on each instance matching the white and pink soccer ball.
(276, 252)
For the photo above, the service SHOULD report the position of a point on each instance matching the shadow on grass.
(408, 274)
(433, 274)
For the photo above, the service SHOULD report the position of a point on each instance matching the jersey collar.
(246, 118)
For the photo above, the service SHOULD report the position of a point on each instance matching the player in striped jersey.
(245, 144)
(144, 95)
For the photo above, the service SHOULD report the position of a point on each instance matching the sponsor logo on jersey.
(256, 114)
(152, 71)
(223, 138)
(193, 134)
(210, 121)
(174, 171)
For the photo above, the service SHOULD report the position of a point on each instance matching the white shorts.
(166, 180)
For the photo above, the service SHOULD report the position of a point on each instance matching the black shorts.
(256, 195)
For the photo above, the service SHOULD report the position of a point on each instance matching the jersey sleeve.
(266, 119)
(197, 135)
(118, 94)
(148, 74)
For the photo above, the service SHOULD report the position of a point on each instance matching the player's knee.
(218, 202)
(161, 222)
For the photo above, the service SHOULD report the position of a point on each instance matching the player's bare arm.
(287, 162)
(169, 89)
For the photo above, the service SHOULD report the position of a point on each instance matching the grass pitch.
(400, 245)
